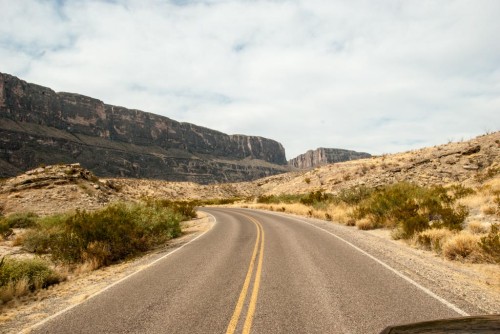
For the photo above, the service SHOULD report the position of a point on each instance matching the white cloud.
(378, 76)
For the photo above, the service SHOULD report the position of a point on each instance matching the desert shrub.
(48, 230)
(411, 208)
(106, 235)
(277, 199)
(365, 224)
(315, 198)
(185, 208)
(17, 220)
(5, 230)
(490, 244)
(354, 196)
(489, 173)
(463, 246)
(216, 201)
(459, 191)
(476, 227)
(433, 239)
(17, 277)
(266, 199)
(21, 220)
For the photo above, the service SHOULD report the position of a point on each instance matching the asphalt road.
(255, 272)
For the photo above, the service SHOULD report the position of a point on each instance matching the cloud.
(379, 76)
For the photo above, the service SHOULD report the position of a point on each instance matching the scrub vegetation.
(433, 218)
(86, 238)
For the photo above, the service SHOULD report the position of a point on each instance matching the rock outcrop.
(39, 126)
(323, 156)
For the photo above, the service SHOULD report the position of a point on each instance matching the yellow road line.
(241, 300)
(255, 292)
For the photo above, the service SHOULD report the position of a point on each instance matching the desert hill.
(463, 162)
(63, 187)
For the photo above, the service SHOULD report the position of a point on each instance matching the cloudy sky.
(375, 76)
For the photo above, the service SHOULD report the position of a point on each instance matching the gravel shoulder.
(22, 313)
(474, 288)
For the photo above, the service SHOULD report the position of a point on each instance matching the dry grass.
(433, 239)
(88, 266)
(14, 289)
(365, 224)
(489, 209)
(485, 200)
(476, 227)
(474, 201)
(463, 246)
(296, 208)
(340, 213)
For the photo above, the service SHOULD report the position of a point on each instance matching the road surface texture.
(257, 272)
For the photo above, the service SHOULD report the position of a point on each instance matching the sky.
(375, 76)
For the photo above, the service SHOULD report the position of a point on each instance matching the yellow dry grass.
(476, 227)
(365, 224)
(432, 239)
(14, 289)
(463, 246)
(340, 213)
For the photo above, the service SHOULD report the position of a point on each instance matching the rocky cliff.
(323, 156)
(39, 126)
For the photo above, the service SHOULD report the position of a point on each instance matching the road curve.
(255, 272)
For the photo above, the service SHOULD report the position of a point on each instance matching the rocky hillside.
(465, 162)
(39, 126)
(323, 156)
(54, 189)
(59, 188)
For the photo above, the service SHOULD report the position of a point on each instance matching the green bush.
(109, 234)
(184, 208)
(41, 239)
(277, 199)
(354, 196)
(21, 220)
(35, 272)
(411, 209)
(315, 198)
(17, 220)
(491, 243)
(459, 191)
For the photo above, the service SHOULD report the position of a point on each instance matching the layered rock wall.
(40, 126)
(323, 156)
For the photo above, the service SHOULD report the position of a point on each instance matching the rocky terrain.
(465, 162)
(323, 156)
(58, 188)
(39, 126)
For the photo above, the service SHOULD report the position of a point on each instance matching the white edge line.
(29, 329)
(403, 276)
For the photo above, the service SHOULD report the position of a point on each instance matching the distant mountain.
(39, 126)
(322, 156)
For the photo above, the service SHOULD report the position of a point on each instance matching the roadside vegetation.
(84, 239)
(434, 218)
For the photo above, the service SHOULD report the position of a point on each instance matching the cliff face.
(323, 156)
(40, 126)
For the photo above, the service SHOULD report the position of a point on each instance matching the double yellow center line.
(258, 249)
